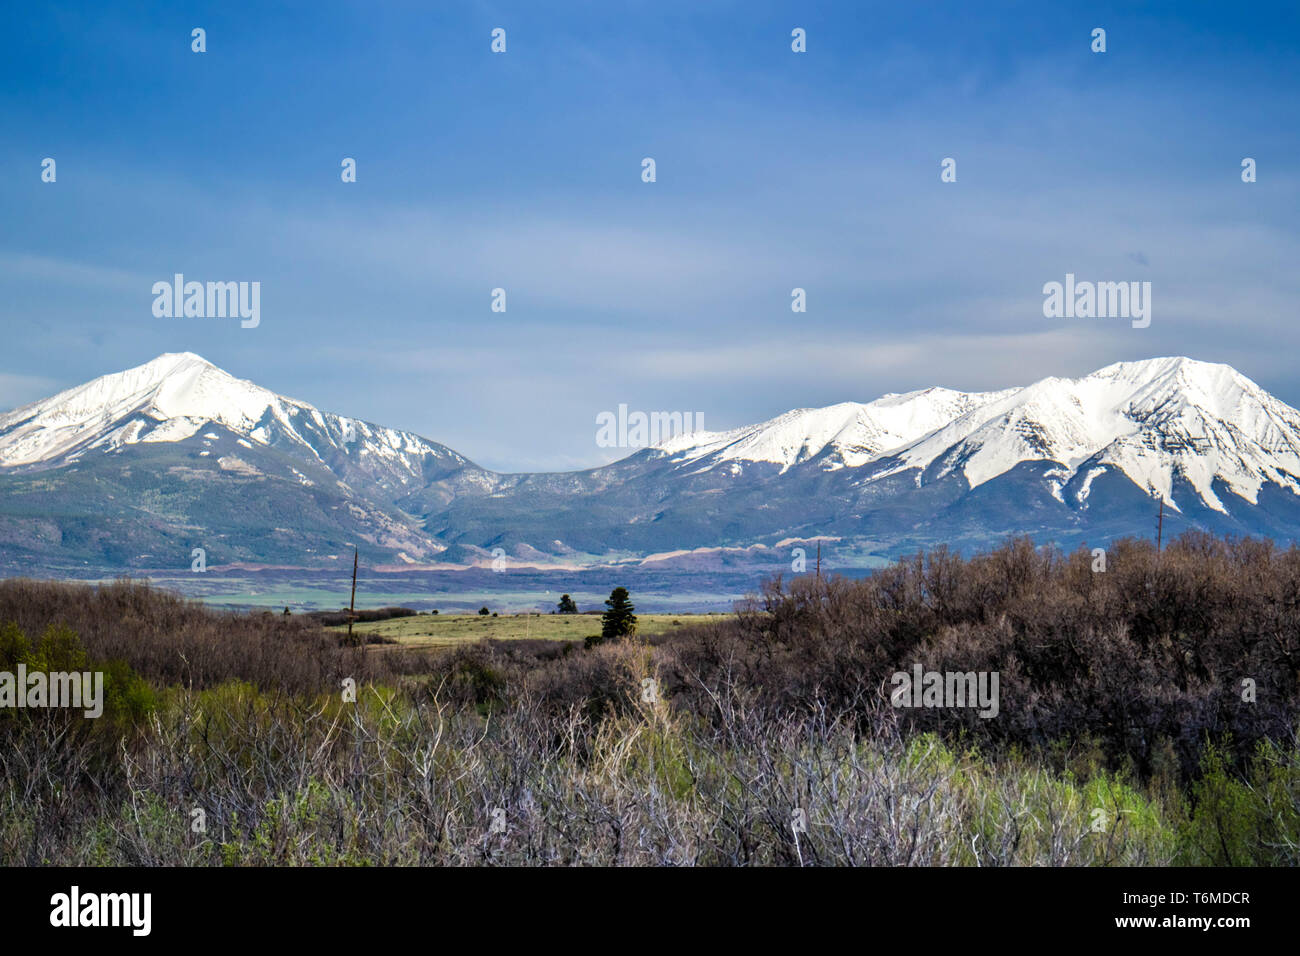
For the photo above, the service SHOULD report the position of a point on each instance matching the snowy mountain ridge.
(174, 397)
(1151, 419)
(134, 468)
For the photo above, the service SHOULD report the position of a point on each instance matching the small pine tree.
(618, 620)
(567, 605)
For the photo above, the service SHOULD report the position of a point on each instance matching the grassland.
(448, 630)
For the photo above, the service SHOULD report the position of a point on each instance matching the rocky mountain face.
(135, 469)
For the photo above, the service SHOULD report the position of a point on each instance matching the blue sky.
(522, 171)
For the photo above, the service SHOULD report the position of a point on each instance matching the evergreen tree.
(618, 620)
(484, 611)
(567, 605)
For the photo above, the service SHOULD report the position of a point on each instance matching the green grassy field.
(446, 630)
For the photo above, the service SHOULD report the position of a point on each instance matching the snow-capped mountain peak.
(1154, 420)
(176, 395)
(130, 463)
(166, 399)
(849, 433)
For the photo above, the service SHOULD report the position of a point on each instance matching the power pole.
(352, 604)
(819, 561)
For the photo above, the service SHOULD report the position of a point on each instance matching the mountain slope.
(135, 468)
(1155, 421)
(176, 396)
(852, 434)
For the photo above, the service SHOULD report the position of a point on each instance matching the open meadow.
(449, 630)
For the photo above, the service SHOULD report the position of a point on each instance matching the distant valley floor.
(509, 592)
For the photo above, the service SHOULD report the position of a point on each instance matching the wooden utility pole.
(819, 560)
(352, 603)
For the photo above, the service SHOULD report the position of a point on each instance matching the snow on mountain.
(1153, 420)
(1156, 421)
(174, 396)
(1213, 422)
(852, 434)
(177, 449)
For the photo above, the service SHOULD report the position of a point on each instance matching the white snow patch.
(1086, 488)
